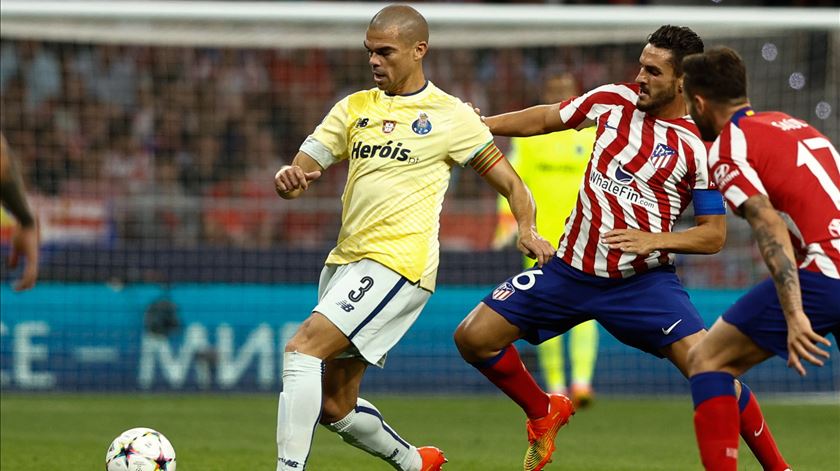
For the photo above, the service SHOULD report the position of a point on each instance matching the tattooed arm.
(771, 234)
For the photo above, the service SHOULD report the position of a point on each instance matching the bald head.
(405, 22)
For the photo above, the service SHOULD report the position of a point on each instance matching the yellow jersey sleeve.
(328, 143)
(468, 136)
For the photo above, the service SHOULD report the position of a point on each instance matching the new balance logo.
(347, 307)
(669, 329)
(289, 463)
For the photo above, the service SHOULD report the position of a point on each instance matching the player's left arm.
(771, 234)
(707, 236)
(492, 165)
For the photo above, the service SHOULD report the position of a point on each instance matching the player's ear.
(699, 103)
(420, 48)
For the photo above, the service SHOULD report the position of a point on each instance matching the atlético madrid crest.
(503, 291)
(388, 126)
(661, 155)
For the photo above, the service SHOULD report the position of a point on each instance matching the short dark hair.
(718, 75)
(680, 40)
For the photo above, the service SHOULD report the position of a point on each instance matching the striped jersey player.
(643, 173)
(615, 260)
(783, 177)
(400, 141)
(745, 162)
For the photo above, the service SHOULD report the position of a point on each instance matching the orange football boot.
(542, 431)
(433, 458)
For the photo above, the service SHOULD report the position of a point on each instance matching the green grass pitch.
(482, 433)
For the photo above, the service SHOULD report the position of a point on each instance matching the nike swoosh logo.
(669, 329)
(758, 432)
(608, 126)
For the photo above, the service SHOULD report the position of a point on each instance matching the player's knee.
(293, 345)
(468, 342)
(461, 338)
(697, 360)
(301, 340)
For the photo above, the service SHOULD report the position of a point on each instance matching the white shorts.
(371, 304)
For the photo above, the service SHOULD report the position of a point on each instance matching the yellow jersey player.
(552, 166)
(401, 140)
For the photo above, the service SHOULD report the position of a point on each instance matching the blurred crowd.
(178, 146)
(184, 142)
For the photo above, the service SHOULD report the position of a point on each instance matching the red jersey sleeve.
(597, 102)
(730, 168)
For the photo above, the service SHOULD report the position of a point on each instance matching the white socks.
(298, 410)
(364, 428)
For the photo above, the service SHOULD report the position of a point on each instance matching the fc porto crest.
(661, 155)
(422, 125)
(388, 126)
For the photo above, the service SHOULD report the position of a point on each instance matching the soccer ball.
(140, 449)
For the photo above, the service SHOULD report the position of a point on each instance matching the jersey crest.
(422, 125)
(661, 155)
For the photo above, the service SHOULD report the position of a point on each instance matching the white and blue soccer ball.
(140, 449)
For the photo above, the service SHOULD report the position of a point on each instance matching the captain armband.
(486, 158)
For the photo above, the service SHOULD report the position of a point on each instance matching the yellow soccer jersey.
(401, 150)
(552, 165)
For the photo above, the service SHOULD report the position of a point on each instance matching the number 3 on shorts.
(530, 277)
(367, 284)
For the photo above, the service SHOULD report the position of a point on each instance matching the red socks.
(716, 420)
(719, 418)
(756, 433)
(508, 373)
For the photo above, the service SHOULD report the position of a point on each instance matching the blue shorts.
(758, 314)
(648, 311)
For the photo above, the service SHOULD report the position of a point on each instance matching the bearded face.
(658, 82)
(702, 119)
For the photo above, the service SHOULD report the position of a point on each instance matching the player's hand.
(532, 244)
(631, 241)
(802, 343)
(477, 111)
(291, 177)
(25, 243)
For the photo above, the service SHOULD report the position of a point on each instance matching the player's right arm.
(292, 180)
(324, 147)
(574, 113)
(774, 243)
(533, 121)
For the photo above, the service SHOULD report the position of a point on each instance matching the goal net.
(149, 134)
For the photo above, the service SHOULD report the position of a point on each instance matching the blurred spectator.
(183, 142)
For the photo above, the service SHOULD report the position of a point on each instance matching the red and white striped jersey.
(641, 175)
(796, 167)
